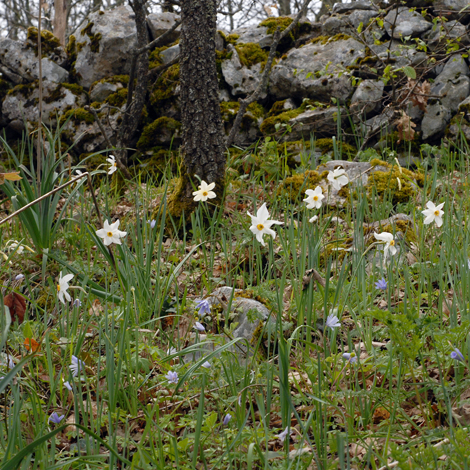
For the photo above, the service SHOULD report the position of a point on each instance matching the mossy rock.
(50, 45)
(155, 57)
(117, 99)
(283, 22)
(277, 108)
(405, 227)
(115, 79)
(294, 187)
(71, 51)
(158, 132)
(165, 87)
(326, 146)
(269, 124)
(327, 39)
(251, 54)
(77, 116)
(94, 38)
(397, 183)
(229, 110)
(24, 89)
(4, 88)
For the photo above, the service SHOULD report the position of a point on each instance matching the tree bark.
(60, 20)
(202, 133)
(284, 8)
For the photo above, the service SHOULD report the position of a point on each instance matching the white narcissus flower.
(261, 225)
(386, 238)
(313, 219)
(314, 198)
(204, 192)
(113, 164)
(338, 178)
(62, 287)
(110, 233)
(433, 213)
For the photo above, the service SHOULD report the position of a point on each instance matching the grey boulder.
(350, 6)
(316, 71)
(160, 23)
(367, 98)
(106, 45)
(20, 63)
(403, 22)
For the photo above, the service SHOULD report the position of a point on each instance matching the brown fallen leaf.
(32, 345)
(405, 128)
(17, 305)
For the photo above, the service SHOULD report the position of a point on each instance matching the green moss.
(326, 145)
(49, 43)
(71, 51)
(367, 60)
(327, 39)
(94, 38)
(24, 89)
(251, 54)
(232, 38)
(165, 87)
(117, 99)
(178, 204)
(395, 184)
(269, 124)
(56, 95)
(155, 57)
(294, 187)
(115, 79)
(229, 110)
(77, 116)
(277, 108)
(282, 22)
(149, 136)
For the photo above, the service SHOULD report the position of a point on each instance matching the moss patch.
(269, 125)
(294, 187)
(164, 89)
(94, 38)
(151, 132)
(327, 39)
(4, 88)
(117, 99)
(155, 57)
(77, 116)
(403, 226)
(326, 145)
(283, 22)
(50, 45)
(251, 54)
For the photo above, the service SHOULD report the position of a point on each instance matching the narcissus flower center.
(392, 243)
(205, 193)
(260, 226)
(110, 234)
(58, 287)
(315, 198)
(436, 213)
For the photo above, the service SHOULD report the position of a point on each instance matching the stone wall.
(365, 68)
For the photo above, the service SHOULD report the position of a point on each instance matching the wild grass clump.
(116, 353)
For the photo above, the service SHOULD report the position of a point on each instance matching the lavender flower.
(77, 303)
(227, 418)
(152, 223)
(381, 284)
(282, 436)
(204, 307)
(172, 377)
(19, 277)
(206, 365)
(55, 418)
(68, 386)
(456, 354)
(76, 366)
(350, 357)
(332, 321)
(199, 327)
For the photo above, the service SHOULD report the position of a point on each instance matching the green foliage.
(150, 135)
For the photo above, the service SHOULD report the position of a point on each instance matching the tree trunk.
(284, 8)
(60, 20)
(202, 133)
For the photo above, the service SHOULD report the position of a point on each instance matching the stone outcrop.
(353, 70)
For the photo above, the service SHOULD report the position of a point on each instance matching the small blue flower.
(204, 307)
(282, 436)
(19, 277)
(456, 354)
(332, 321)
(172, 377)
(152, 223)
(381, 284)
(206, 365)
(76, 366)
(55, 418)
(77, 303)
(68, 386)
(227, 418)
(350, 357)
(199, 327)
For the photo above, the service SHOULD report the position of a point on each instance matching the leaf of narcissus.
(14, 176)
(32, 345)
(17, 305)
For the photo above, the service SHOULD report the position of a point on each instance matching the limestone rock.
(242, 80)
(19, 60)
(105, 45)
(303, 72)
(443, 31)
(22, 103)
(321, 122)
(451, 9)
(367, 97)
(405, 23)
(104, 89)
(350, 6)
(452, 86)
(160, 23)
(258, 35)
(171, 53)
